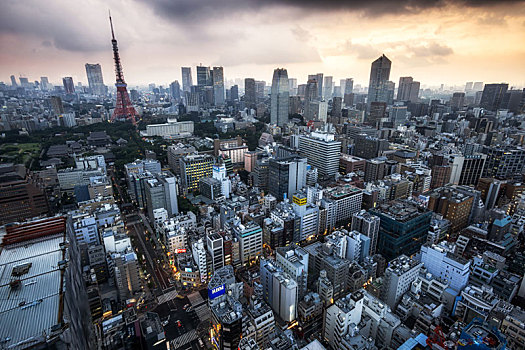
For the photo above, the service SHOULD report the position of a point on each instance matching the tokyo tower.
(124, 109)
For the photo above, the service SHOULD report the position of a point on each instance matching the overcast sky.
(435, 41)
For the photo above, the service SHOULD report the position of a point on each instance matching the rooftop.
(31, 280)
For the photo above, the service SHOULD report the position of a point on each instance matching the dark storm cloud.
(204, 10)
(51, 24)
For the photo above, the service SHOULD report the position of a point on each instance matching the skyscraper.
(311, 94)
(408, 89)
(403, 228)
(203, 76)
(187, 81)
(349, 86)
(327, 87)
(69, 87)
(218, 85)
(319, 78)
(493, 96)
(123, 108)
(280, 97)
(13, 81)
(457, 101)
(287, 176)
(260, 86)
(44, 83)
(379, 75)
(234, 93)
(175, 91)
(249, 92)
(95, 79)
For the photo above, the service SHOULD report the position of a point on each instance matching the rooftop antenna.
(111, 24)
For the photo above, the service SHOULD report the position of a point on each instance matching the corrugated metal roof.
(28, 312)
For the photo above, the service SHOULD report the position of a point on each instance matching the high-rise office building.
(478, 86)
(249, 93)
(367, 224)
(403, 228)
(453, 205)
(161, 192)
(204, 77)
(234, 93)
(187, 81)
(286, 176)
(20, 199)
(192, 168)
(319, 79)
(341, 318)
(280, 97)
(250, 241)
(457, 101)
(218, 85)
(442, 262)
(327, 87)
(294, 261)
(321, 151)
(504, 162)
(24, 82)
(226, 311)
(95, 79)
(466, 170)
(44, 83)
(398, 278)
(377, 111)
(379, 75)
(292, 84)
(175, 91)
(56, 104)
(349, 86)
(69, 87)
(408, 89)
(13, 81)
(492, 96)
(311, 95)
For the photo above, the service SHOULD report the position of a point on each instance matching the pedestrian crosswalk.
(203, 312)
(195, 299)
(184, 339)
(167, 296)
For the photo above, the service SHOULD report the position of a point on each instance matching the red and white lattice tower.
(123, 109)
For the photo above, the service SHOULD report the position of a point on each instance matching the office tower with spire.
(379, 75)
(280, 97)
(123, 109)
(187, 81)
(95, 79)
(218, 85)
(408, 89)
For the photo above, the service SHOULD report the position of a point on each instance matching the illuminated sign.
(216, 292)
(177, 251)
(188, 269)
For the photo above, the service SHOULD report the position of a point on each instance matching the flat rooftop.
(30, 290)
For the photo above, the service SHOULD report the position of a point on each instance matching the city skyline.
(462, 41)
